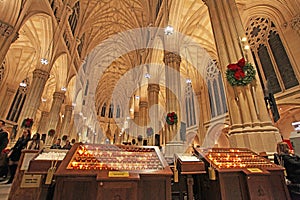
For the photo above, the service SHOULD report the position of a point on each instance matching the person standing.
(3, 155)
(3, 136)
(35, 143)
(56, 145)
(67, 145)
(15, 153)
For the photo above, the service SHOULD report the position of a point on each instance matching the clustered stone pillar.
(173, 92)
(65, 129)
(8, 98)
(143, 117)
(43, 123)
(33, 98)
(58, 98)
(250, 126)
(153, 92)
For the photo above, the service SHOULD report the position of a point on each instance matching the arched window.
(86, 88)
(215, 90)
(111, 111)
(2, 71)
(73, 19)
(271, 58)
(103, 110)
(18, 102)
(190, 105)
(118, 112)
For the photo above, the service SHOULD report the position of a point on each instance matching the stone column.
(143, 118)
(249, 126)
(65, 129)
(58, 98)
(33, 98)
(173, 93)
(43, 123)
(134, 125)
(153, 92)
(7, 100)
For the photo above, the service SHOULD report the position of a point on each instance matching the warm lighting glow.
(63, 89)
(147, 75)
(44, 61)
(23, 84)
(169, 30)
(44, 100)
(188, 80)
(246, 47)
(244, 39)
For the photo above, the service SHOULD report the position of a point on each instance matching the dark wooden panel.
(76, 188)
(233, 186)
(155, 188)
(117, 190)
(259, 187)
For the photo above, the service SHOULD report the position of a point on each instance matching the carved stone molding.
(5, 29)
(170, 57)
(58, 95)
(295, 23)
(69, 107)
(40, 73)
(153, 88)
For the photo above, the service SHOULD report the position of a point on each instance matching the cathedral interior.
(165, 99)
(110, 71)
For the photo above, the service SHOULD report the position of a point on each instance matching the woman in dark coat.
(15, 153)
(289, 160)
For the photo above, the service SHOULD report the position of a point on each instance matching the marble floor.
(4, 190)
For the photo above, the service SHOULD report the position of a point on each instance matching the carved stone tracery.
(5, 29)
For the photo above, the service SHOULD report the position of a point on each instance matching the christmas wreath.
(241, 73)
(27, 123)
(149, 131)
(64, 137)
(171, 118)
(51, 132)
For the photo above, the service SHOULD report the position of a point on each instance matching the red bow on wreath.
(240, 73)
(27, 123)
(238, 68)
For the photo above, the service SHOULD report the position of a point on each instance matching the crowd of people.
(9, 157)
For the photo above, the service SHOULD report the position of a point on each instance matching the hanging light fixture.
(23, 84)
(169, 30)
(63, 88)
(147, 75)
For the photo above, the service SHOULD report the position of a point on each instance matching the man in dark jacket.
(3, 144)
(3, 136)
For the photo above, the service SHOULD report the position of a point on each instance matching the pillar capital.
(170, 57)
(153, 87)
(143, 104)
(59, 95)
(45, 113)
(41, 74)
(69, 107)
